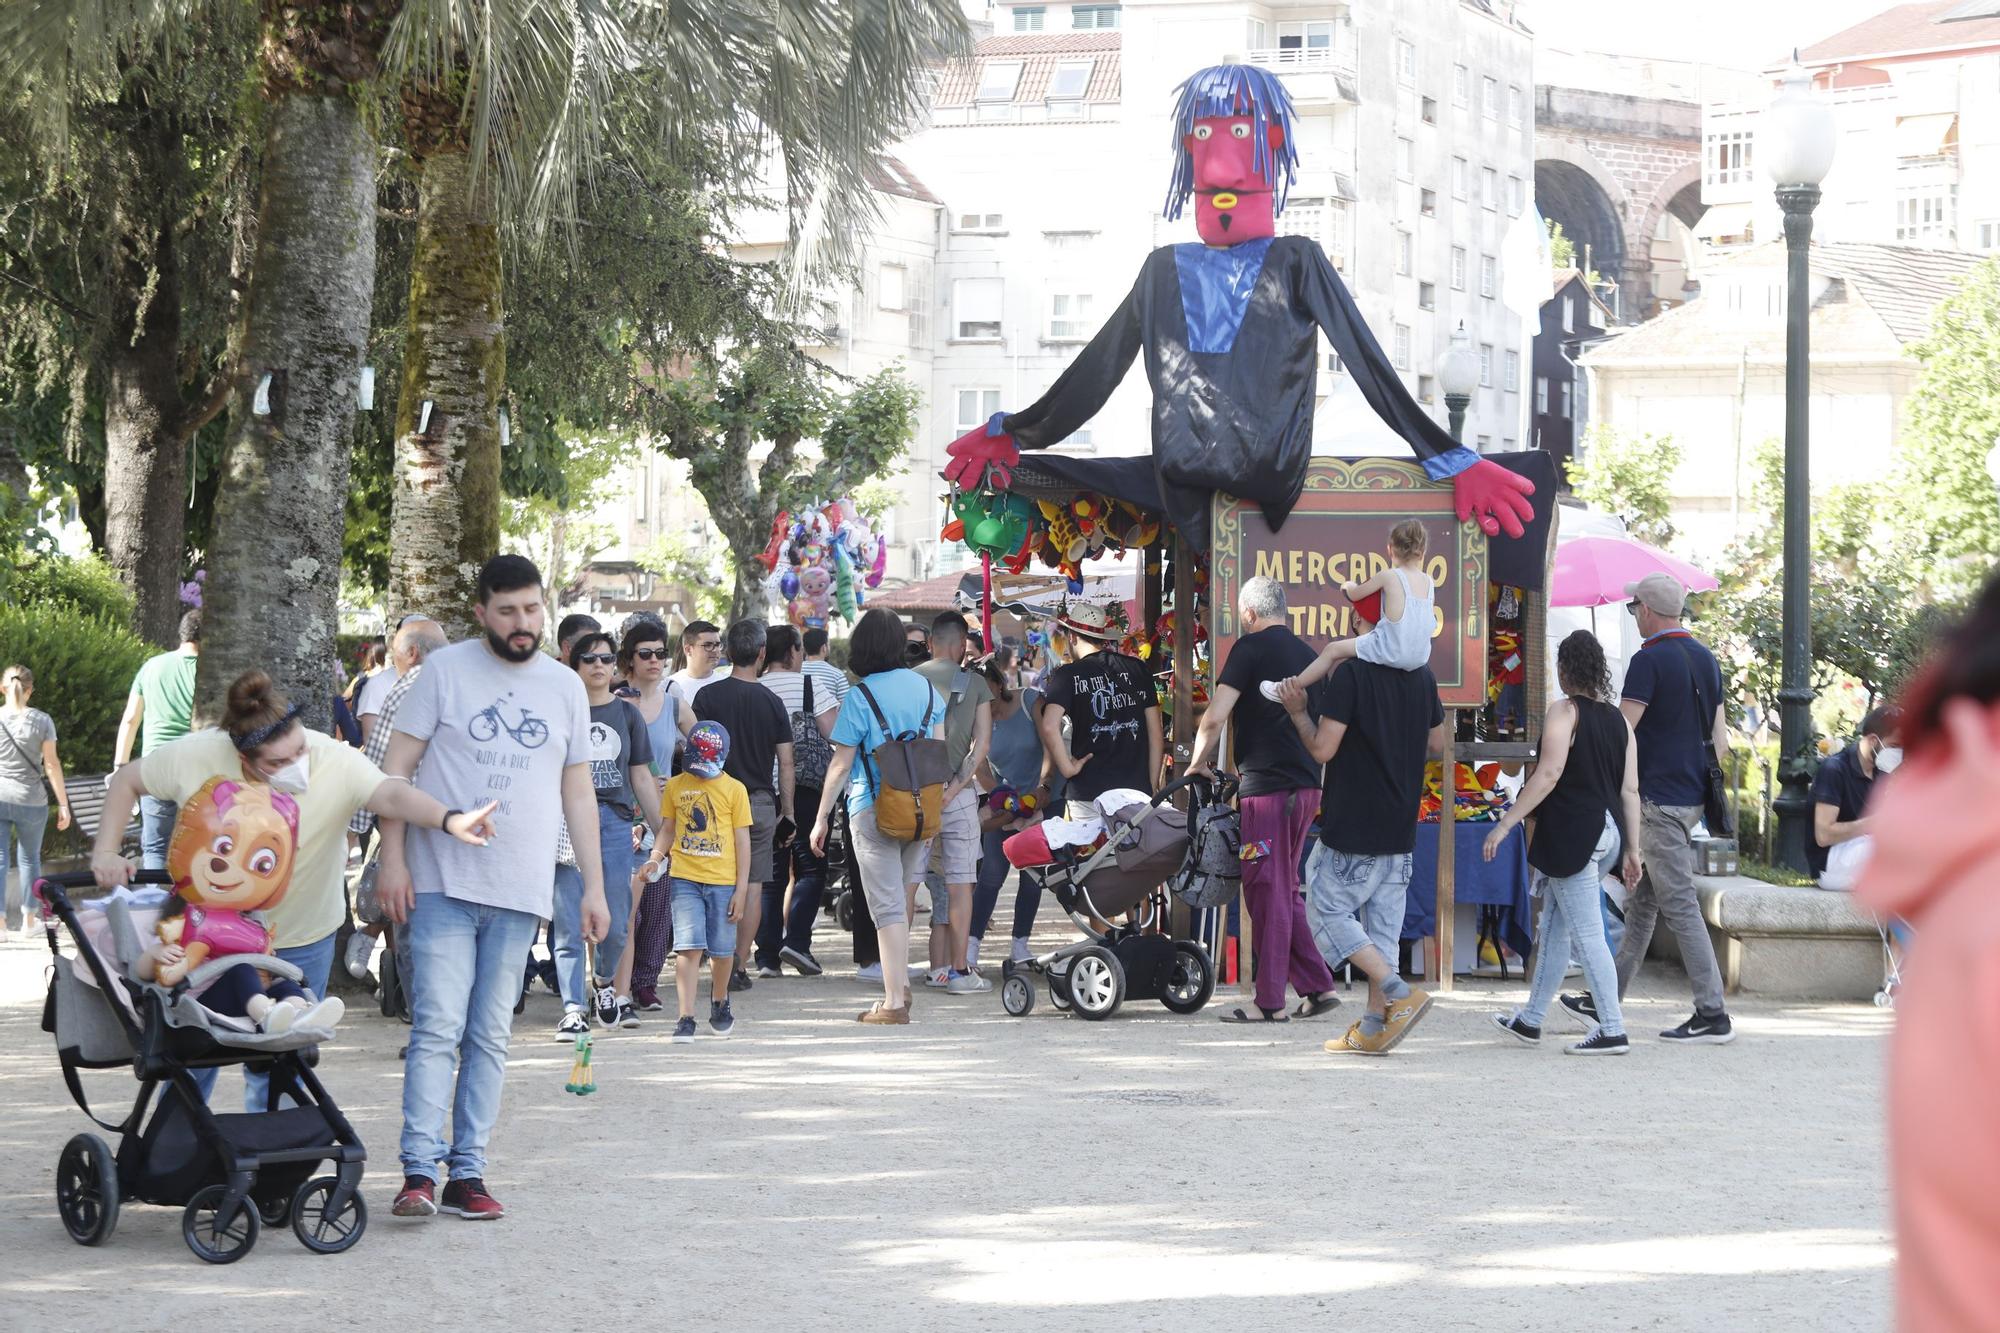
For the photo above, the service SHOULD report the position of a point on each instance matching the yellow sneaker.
(1355, 1042)
(1403, 1015)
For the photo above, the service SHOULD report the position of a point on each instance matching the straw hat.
(1091, 620)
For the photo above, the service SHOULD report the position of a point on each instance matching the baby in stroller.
(231, 855)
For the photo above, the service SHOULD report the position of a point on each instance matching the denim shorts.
(701, 918)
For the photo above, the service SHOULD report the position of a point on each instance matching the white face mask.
(1888, 758)
(293, 777)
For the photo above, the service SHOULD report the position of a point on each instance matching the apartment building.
(1915, 92)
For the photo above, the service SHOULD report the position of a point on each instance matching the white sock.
(1021, 951)
(972, 953)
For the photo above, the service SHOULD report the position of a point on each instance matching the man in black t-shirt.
(1840, 793)
(1375, 727)
(760, 757)
(1276, 800)
(1114, 714)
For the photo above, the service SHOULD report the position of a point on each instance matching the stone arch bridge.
(1607, 165)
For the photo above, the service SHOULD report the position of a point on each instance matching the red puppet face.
(1233, 202)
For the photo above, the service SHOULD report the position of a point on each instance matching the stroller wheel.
(274, 1212)
(1193, 981)
(1017, 997)
(323, 1230)
(87, 1190)
(843, 911)
(1884, 999)
(1096, 983)
(214, 1238)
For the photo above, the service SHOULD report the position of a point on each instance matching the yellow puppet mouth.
(1223, 200)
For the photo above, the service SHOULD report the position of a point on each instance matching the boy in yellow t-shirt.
(706, 836)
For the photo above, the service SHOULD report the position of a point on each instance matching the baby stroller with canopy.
(230, 1174)
(1145, 844)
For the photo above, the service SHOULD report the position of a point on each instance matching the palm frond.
(53, 51)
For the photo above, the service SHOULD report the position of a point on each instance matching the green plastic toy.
(580, 1080)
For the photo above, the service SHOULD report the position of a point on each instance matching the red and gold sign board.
(1340, 531)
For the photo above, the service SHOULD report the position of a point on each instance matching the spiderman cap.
(707, 749)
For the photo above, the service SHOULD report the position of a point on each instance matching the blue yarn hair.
(1235, 90)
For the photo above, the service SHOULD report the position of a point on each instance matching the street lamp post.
(1458, 376)
(1797, 148)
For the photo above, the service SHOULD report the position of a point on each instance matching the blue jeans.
(987, 879)
(701, 918)
(315, 960)
(465, 976)
(156, 829)
(614, 837)
(1573, 926)
(24, 825)
(1341, 884)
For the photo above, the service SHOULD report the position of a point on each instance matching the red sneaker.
(417, 1198)
(468, 1199)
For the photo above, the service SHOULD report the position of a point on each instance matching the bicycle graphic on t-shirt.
(531, 734)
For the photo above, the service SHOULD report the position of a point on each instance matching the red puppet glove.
(973, 453)
(1499, 498)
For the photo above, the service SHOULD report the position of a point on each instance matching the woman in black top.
(1584, 789)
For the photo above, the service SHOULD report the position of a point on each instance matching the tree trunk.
(274, 564)
(145, 451)
(446, 519)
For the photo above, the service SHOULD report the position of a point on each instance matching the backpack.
(1213, 871)
(910, 773)
(811, 752)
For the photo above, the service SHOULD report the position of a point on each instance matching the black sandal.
(1238, 1016)
(1312, 1006)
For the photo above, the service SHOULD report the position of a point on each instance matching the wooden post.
(1447, 858)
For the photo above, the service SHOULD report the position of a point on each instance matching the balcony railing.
(1313, 74)
(1303, 59)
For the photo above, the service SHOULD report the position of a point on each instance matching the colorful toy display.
(1479, 801)
(1229, 325)
(821, 560)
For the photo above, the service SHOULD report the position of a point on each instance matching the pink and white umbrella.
(1593, 571)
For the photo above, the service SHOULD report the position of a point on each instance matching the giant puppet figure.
(1228, 328)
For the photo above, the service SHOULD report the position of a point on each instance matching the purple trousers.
(1271, 893)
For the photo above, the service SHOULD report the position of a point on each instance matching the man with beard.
(492, 718)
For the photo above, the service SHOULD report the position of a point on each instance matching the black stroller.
(230, 1174)
(1146, 845)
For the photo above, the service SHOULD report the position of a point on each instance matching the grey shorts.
(888, 868)
(955, 850)
(763, 828)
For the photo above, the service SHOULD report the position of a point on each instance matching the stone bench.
(1772, 939)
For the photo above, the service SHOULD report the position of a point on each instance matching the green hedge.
(83, 663)
(88, 584)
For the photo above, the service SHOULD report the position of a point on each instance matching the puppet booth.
(1228, 329)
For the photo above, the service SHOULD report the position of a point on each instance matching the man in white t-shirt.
(825, 674)
(368, 707)
(785, 932)
(701, 649)
(493, 718)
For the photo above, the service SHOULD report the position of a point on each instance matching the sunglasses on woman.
(597, 659)
(649, 654)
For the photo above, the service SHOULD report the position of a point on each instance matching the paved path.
(980, 1172)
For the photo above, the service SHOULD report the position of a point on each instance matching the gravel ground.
(977, 1171)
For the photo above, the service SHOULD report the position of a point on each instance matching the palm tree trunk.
(145, 449)
(446, 519)
(274, 563)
